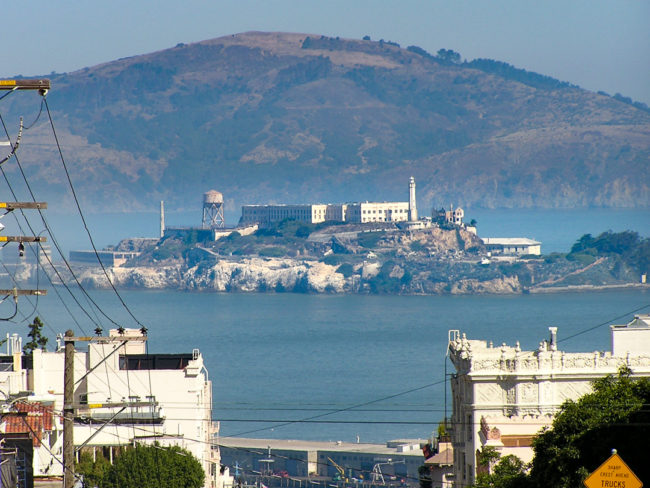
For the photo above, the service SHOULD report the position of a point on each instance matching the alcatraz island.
(361, 247)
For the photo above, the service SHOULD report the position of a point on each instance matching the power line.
(412, 390)
(83, 219)
(56, 271)
(603, 323)
(14, 148)
(54, 241)
(8, 93)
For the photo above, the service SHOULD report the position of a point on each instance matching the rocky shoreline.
(301, 276)
(273, 275)
(587, 288)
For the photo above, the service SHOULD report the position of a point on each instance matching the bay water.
(339, 367)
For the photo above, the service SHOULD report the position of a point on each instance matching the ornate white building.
(502, 396)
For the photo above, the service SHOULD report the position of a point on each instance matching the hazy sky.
(597, 44)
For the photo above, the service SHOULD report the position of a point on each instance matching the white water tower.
(213, 210)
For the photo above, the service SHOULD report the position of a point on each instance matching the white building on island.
(503, 396)
(512, 246)
(315, 213)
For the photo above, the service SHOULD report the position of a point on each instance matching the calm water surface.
(282, 357)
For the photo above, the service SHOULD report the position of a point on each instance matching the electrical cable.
(57, 247)
(56, 271)
(38, 263)
(9, 93)
(83, 219)
(37, 117)
(14, 146)
(343, 409)
(6, 319)
(27, 317)
(78, 205)
(43, 101)
(603, 323)
(51, 237)
(92, 242)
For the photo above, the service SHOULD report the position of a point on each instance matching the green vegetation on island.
(381, 258)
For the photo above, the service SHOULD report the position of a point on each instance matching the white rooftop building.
(502, 396)
(512, 246)
(168, 398)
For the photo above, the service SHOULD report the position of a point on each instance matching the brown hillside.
(277, 117)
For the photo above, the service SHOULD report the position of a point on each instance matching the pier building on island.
(503, 396)
(512, 246)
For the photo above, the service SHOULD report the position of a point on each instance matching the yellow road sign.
(613, 473)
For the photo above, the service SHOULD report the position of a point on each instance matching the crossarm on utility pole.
(14, 205)
(16, 292)
(100, 429)
(31, 84)
(23, 239)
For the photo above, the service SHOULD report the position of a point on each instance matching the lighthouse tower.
(413, 211)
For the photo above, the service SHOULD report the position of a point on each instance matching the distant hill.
(277, 117)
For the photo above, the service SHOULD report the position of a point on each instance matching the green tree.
(614, 415)
(154, 466)
(509, 472)
(449, 55)
(487, 457)
(424, 476)
(38, 340)
(93, 471)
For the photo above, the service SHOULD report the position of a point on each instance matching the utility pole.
(69, 406)
(68, 411)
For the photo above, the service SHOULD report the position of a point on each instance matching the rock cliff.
(387, 260)
(279, 275)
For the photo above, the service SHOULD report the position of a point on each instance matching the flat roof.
(332, 446)
(510, 241)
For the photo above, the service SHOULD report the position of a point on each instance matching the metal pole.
(68, 412)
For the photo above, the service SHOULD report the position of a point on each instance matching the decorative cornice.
(478, 357)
